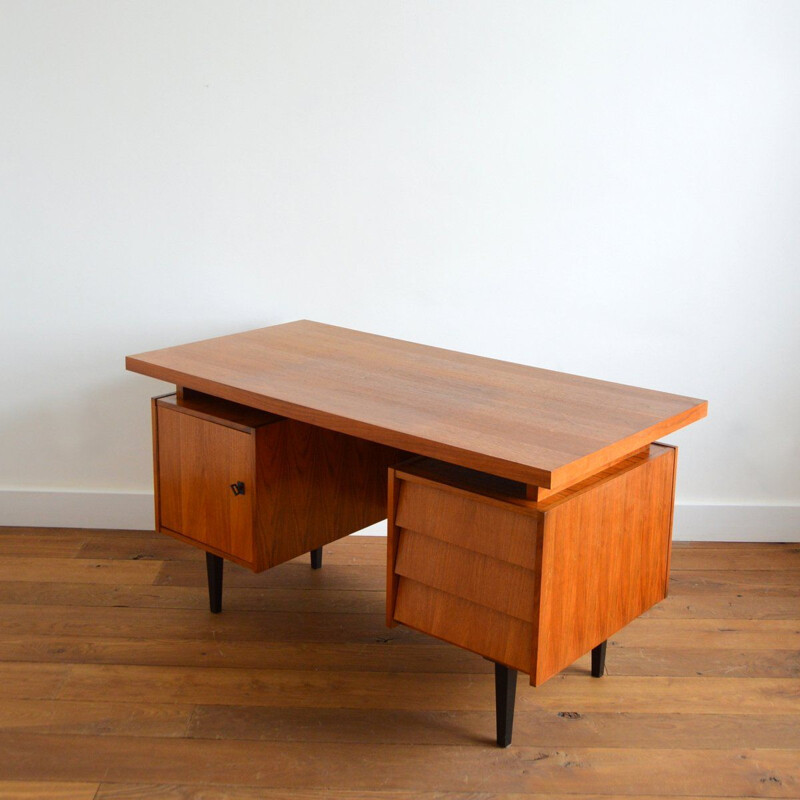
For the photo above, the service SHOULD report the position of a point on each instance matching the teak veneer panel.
(607, 556)
(214, 409)
(486, 581)
(578, 565)
(304, 486)
(455, 517)
(198, 461)
(453, 619)
(527, 424)
(314, 486)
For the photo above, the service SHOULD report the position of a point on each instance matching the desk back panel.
(315, 486)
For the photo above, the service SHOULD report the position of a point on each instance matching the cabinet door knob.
(238, 487)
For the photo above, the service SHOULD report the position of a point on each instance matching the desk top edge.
(172, 365)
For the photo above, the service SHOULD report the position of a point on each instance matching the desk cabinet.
(257, 488)
(532, 585)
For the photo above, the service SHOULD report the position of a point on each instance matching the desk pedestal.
(531, 585)
(260, 489)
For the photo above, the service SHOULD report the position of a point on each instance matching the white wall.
(606, 188)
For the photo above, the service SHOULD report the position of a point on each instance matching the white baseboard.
(68, 509)
(718, 523)
(134, 511)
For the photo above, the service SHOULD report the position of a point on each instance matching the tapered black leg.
(505, 690)
(214, 569)
(316, 558)
(599, 660)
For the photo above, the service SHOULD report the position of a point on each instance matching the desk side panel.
(605, 554)
(156, 478)
(167, 454)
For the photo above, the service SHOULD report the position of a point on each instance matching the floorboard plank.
(31, 680)
(734, 634)
(138, 623)
(47, 790)
(127, 791)
(95, 717)
(62, 545)
(723, 606)
(449, 692)
(535, 728)
(354, 550)
(386, 657)
(398, 656)
(748, 583)
(361, 627)
(78, 570)
(186, 597)
(268, 598)
(761, 557)
(686, 662)
(362, 577)
(411, 768)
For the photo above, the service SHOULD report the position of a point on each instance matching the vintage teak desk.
(530, 511)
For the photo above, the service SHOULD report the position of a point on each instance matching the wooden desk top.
(532, 425)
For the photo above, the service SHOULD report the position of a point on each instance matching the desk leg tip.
(505, 690)
(599, 660)
(214, 571)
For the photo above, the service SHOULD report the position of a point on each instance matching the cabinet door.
(198, 462)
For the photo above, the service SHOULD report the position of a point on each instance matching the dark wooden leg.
(214, 570)
(599, 660)
(316, 558)
(505, 690)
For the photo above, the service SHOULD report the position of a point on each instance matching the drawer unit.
(532, 585)
(257, 488)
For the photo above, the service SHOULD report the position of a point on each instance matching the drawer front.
(198, 461)
(467, 521)
(464, 570)
(489, 582)
(489, 633)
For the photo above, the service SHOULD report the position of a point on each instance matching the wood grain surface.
(605, 558)
(198, 461)
(130, 689)
(314, 486)
(523, 423)
(483, 570)
(304, 486)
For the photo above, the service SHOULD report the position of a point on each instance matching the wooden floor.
(116, 682)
